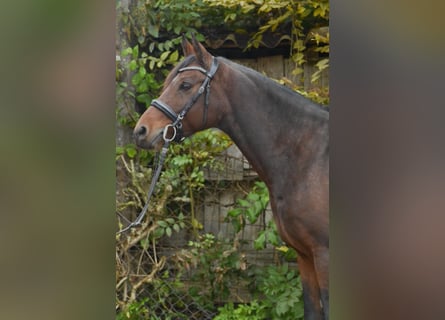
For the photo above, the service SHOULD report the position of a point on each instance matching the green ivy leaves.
(283, 292)
(279, 297)
(250, 208)
(168, 225)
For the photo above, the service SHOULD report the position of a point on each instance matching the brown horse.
(283, 135)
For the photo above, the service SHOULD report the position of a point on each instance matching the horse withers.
(283, 135)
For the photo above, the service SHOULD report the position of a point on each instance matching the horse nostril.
(140, 132)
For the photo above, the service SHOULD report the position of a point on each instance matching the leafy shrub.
(213, 264)
(282, 292)
(248, 311)
(279, 297)
(134, 311)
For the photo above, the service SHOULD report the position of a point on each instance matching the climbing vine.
(302, 21)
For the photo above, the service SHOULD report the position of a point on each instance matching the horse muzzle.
(145, 140)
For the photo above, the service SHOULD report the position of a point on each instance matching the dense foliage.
(199, 276)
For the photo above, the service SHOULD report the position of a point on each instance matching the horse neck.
(271, 125)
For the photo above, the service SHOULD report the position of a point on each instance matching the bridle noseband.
(176, 126)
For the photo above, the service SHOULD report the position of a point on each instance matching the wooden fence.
(277, 67)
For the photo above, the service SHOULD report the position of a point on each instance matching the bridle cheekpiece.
(175, 128)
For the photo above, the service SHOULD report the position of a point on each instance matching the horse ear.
(204, 57)
(187, 47)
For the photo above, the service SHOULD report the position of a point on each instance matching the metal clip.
(165, 133)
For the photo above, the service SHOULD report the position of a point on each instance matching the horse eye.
(185, 86)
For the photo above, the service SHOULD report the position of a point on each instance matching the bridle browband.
(176, 125)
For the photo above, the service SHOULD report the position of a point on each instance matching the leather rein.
(173, 131)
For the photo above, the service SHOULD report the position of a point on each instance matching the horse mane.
(251, 73)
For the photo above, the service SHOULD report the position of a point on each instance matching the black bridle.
(176, 126)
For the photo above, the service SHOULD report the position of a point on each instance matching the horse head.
(185, 105)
